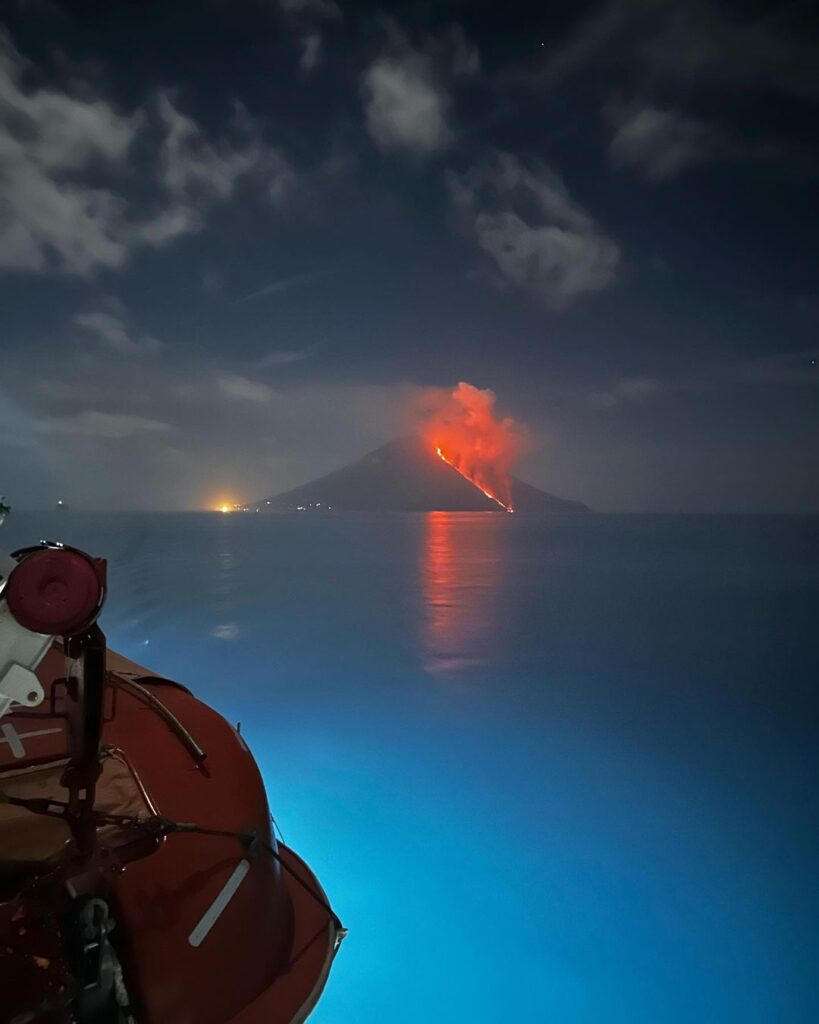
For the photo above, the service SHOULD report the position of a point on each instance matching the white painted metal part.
(21, 651)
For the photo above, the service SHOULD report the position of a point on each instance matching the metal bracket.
(20, 653)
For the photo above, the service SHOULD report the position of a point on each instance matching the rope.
(166, 826)
(160, 826)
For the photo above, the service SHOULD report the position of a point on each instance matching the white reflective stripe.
(211, 915)
(10, 736)
(14, 738)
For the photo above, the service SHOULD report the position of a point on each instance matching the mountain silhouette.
(405, 475)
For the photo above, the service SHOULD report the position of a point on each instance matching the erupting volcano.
(462, 429)
(459, 460)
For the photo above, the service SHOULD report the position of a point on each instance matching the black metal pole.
(86, 690)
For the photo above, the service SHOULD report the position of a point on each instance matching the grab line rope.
(166, 826)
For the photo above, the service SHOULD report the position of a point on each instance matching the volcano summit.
(407, 475)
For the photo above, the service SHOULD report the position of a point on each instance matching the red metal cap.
(57, 591)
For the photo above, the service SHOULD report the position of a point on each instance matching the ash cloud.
(463, 427)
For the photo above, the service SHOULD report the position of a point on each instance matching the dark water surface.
(562, 771)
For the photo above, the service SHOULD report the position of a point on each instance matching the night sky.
(235, 237)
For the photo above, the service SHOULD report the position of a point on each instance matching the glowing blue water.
(563, 772)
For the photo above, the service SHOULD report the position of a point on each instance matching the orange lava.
(460, 425)
(488, 493)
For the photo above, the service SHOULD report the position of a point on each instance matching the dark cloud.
(308, 18)
(227, 281)
(57, 147)
(627, 389)
(311, 52)
(662, 143)
(311, 8)
(112, 331)
(539, 238)
(407, 89)
(698, 43)
(165, 434)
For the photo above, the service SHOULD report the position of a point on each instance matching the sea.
(558, 770)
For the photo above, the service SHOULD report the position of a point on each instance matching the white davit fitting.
(20, 653)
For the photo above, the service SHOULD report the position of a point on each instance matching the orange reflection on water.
(460, 570)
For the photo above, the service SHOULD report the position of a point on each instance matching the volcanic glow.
(461, 427)
(474, 482)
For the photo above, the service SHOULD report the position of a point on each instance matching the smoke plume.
(461, 426)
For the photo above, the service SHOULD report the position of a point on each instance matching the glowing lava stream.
(489, 494)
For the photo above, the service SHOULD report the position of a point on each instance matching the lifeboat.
(141, 878)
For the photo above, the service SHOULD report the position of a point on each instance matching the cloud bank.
(67, 163)
(539, 239)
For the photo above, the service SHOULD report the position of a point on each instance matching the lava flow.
(462, 429)
(474, 483)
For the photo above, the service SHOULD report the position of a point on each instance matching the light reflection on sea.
(559, 771)
(461, 569)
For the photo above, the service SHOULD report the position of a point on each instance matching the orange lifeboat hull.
(210, 929)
